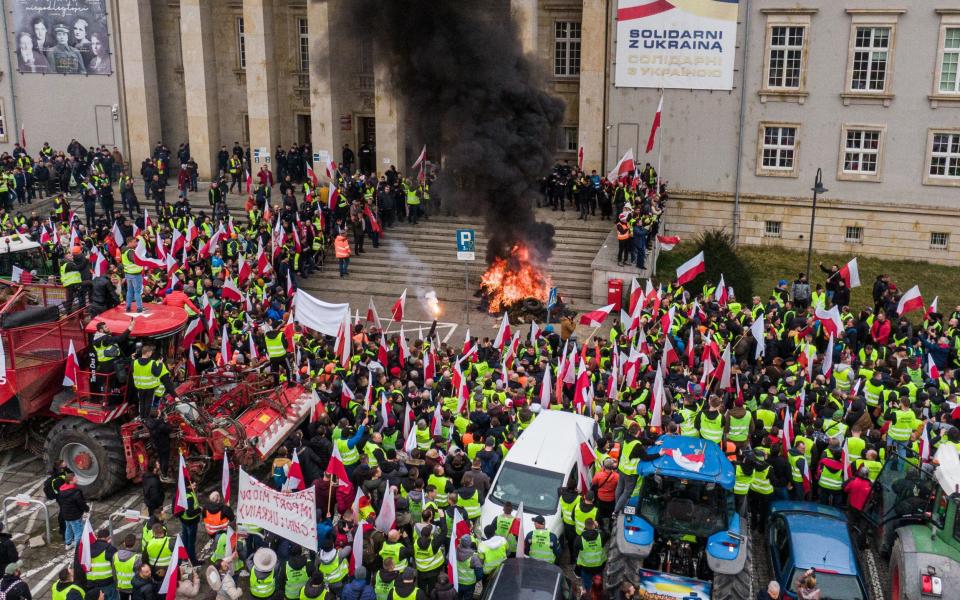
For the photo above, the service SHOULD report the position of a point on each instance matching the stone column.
(593, 47)
(525, 13)
(200, 78)
(324, 121)
(262, 100)
(388, 113)
(139, 61)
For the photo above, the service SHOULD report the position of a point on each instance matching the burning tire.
(93, 452)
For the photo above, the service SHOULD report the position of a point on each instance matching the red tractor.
(94, 428)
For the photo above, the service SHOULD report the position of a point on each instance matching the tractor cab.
(19, 250)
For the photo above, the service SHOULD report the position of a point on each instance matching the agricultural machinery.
(681, 536)
(94, 427)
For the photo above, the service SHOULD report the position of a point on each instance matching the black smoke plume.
(467, 89)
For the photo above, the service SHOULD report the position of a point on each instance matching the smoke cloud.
(469, 92)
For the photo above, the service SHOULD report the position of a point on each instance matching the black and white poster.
(66, 37)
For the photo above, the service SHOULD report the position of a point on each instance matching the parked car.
(807, 535)
(528, 579)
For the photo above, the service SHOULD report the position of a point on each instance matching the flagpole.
(660, 143)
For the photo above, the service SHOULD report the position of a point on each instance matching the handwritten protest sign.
(291, 516)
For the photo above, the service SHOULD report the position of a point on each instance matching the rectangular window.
(568, 139)
(939, 240)
(772, 228)
(779, 145)
(786, 56)
(566, 55)
(303, 37)
(245, 134)
(854, 235)
(241, 45)
(861, 152)
(871, 46)
(945, 155)
(949, 78)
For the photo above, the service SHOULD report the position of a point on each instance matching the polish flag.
(827, 364)
(503, 334)
(226, 351)
(585, 460)
(830, 319)
(583, 393)
(691, 351)
(356, 550)
(117, 234)
(655, 126)
(295, 480)
(397, 310)
(343, 342)
(382, 351)
(19, 275)
(333, 196)
(230, 291)
(720, 295)
(263, 263)
(807, 482)
(225, 479)
(87, 539)
(689, 270)
(690, 462)
(254, 355)
(756, 330)
(670, 355)
(910, 301)
(316, 407)
(659, 399)
(372, 316)
(245, 270)
(613, 387)
(171, 579)
(249, 182)
(545, 389)
(932, 371)
(516, 528)
(331, 168)
(388, 512)
(193, 330)
(924, 444)
(594, 318)
(725, 365)
(335, 468)
(460, 529)
(312, 175)
(666, 321)
(636, 295)
(534, 332)
(429, 365)
(72, 368)
(932, 308)
(140, 257)
(625, 166)
(851, 274)
(420, 159)
(787, 432)
(183, 477)
(346, 395)
(667, 242)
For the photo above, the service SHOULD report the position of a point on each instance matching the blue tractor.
(681, 533)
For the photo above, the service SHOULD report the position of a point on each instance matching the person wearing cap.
(66, 588)
(541, 543)
(11, 585)
(262, 566)
(405, 587)
(64, 58)
(100, 579)
(8, 549)
(591, 555)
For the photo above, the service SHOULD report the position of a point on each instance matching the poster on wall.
(687, 44)
(66, 37)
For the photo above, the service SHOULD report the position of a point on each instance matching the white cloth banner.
(291, 516)
(318, 315)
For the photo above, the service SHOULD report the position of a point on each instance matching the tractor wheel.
(94, 452)
(896, 571)
(620, 567)
(738, 585)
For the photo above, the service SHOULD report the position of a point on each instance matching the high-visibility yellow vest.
(68, 278)
(742, 482)
(124, 571)
(158, 552)
(392, 551)
(426, 559)
(100, 568)
(333, 571)
(471, 505)
(580, 516)
(274, 342)
(143, 377)
(130, 267)
(739, 428)
(465, 573)
(262, 588)
(904, 422)
(711, 429)
(628, 466)
(492, 557)
(566, 510)
(382, 588)
(830, 479)
(760, 482)
(795, 474)
(540, 546)
(59, 591)
(294, 580)
(592, 553)
(348, 456)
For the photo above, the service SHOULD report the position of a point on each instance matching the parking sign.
(466, 244)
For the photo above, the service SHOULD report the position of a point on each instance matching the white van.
(542, 460)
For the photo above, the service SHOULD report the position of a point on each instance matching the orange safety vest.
(623, 234)
(214, 522)
(341, 247)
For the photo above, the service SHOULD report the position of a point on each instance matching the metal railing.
(23, 501)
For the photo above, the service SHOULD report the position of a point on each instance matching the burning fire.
(513, 279)
(433, 304)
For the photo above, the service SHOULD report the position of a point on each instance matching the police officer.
(150, 379)
(542, 544)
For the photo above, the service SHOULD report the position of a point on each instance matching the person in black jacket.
(107, 586)
(153, 488)
(12, 586)
(8, 550)
(72, 506)
(103, 294)
(144, 588)
(160, 438)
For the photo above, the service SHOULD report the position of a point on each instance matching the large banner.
(290, 516)
(67, 37)
(687, 44)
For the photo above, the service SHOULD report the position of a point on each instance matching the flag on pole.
(910, 301)
(295, 480)
(756, 330)
(517, 530)
(580, 158)
(625, 166)
(183, 477)
(830, 319)
(87, 540)
(356, 550)
(397, 310)
(931, 309)
(335, 467)
(225, 479)
(655, 126)
(689, 270)
(503, 334)
(171, 579)
(388, 512)
(667, 242)
(72, 368)
(850, 274)
(420, 159)
(594, 318)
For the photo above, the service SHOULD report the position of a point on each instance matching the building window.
(568, 139)
(366, 56)
(939, 240)
(854, 234)
(945, 155)
(786, 57)
(241, 45)
(772, 229)
(950, 61)
(303, 49)
(871, 45)
(566, 58)
(245, 124)
(861, 150)
(778, 149)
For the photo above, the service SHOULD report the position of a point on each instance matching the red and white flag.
(690, 462)
(18, 275)
(397, 310)
(460, 529)
(356, 550)
(171, 579)
(372, 316)
(72, 368)
(655, 126)
(346, 394)
(335, 467)
(924, 444)
(331, 168)
(504, 333)
(659, 399)
(667, 242)
(580, 158)
(87, 540)
(827, 363)
(932, 308)
(594, 318)
(830, 319)
(183, 478)
(312, 175)
(851, 274)
(545, 389)
(516, 528)
(249, 182)
(625, 166)
(689, 270)
(910, 301)
(932, 371)
(295, 480)
(420, 159)
(786, 434)
(720, 295)
(226, 350)
(225, 479)
(230, 291)
(585, 460)
(388, 512)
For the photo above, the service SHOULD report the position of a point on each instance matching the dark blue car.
(806, 535)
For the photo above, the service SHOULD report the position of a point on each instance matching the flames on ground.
(514, 279)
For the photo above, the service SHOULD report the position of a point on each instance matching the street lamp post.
(817, 189)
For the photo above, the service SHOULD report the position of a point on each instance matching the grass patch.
(768, 264)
